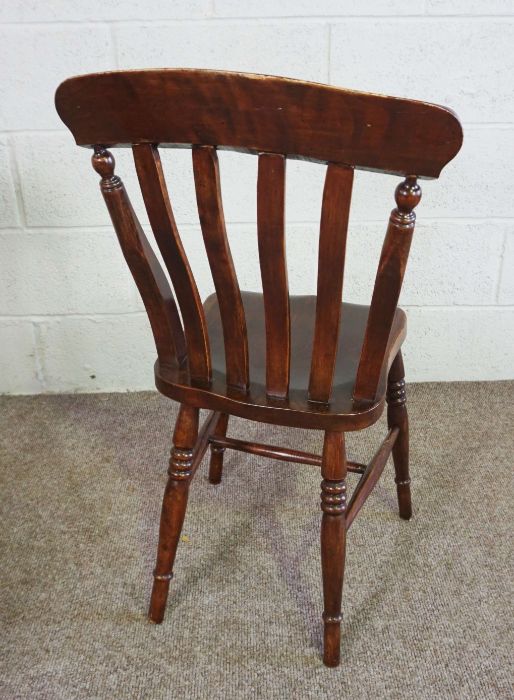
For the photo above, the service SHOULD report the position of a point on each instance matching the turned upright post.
(386, 292)
(333, 541)
(147, 273)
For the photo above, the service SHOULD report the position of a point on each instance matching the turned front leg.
(397, 417)
(333, 542)
(173, 507)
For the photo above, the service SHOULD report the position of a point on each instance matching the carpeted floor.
(427, 604)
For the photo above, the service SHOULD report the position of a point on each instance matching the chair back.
(275, 119)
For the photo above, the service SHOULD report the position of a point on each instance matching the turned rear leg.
(333, 542)
(173, 507)
(217, 453)
(397, 417)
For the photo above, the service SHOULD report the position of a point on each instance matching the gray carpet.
(427, 604)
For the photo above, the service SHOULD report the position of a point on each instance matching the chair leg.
(333, 542)
(173, 507)
(216, 463)
(397, 417)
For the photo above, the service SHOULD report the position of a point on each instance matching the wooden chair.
(306, 361)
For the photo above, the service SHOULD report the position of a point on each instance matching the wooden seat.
(342, 413)
(311, 361)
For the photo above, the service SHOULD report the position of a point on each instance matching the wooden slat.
(332, 247)
(272, 256)
(388, 284)
(210, 210)
(160, 214)
(370, 476)
(143, 264)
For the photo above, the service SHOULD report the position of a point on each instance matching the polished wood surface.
(174, 507)
(144, 266)
(397, 417)
(335, 212)
(342, 413)
(388, 284)
(271, 186)
(212, 221)
(333, 541)
(160, 214)
(217, 450)
(371, 475)
(301, 361)
(283, 454)
(261, 114)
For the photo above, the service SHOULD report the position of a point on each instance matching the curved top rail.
(260, 113)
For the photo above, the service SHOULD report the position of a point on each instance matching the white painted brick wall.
(96, 353)
(70, 316)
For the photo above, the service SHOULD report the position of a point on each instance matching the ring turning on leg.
(397, 417)
(173, 507)
(333, 542)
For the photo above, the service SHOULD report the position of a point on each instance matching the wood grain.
(144, 266)
(260, 114)
(297, 361)
(332, 249)
(272, 258)
(371, 476)
(212, 221)
(388, 284)
(397, 417)
(333, 541)
(157, 202)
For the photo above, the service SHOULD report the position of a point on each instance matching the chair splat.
(272, 258)
(212, 221)
(158, 206)
(332, 248)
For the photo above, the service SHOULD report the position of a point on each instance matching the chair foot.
(216, 464)
(217, 453)
(332, 640)
(404, 499)
(397, 417)
(159, 597)
(174, 506)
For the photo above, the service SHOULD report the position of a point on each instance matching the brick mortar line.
(191, 227)
(42, 318)
(261, 19)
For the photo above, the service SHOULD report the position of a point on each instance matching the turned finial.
(104, 164)
(407, 196)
